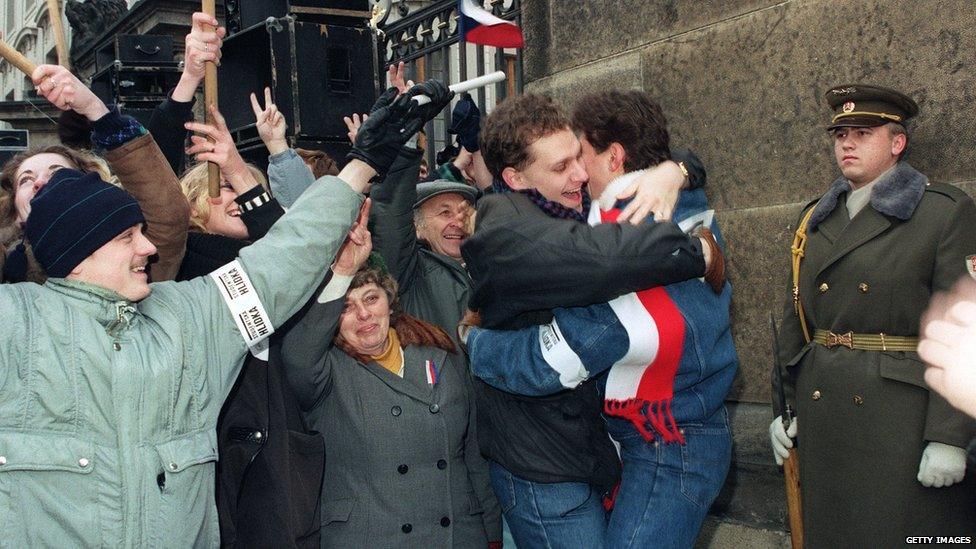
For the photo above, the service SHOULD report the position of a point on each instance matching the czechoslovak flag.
(479, 26)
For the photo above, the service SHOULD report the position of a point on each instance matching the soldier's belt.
(866, 342)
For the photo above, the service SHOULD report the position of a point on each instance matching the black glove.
(465, 122)
(447, 154)
(439, 95)
(391, 122)
(384, 99)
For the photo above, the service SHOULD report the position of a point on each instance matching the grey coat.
(402, 466)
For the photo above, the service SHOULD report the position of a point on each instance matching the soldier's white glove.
(781, 439)
(942, 465)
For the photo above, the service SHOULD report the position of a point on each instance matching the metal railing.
(429, 41)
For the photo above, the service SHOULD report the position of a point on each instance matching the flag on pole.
(479, 26)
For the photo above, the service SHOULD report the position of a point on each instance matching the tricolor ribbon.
(431, 370)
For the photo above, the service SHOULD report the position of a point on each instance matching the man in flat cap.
(881, 457)
(418, 230)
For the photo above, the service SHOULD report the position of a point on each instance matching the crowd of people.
(371, 353)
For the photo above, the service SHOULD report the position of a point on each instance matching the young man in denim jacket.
(532, 250)
(668, 349)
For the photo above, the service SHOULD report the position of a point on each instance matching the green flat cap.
(866, 106)
(430, 189)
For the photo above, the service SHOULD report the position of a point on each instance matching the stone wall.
(742, 82)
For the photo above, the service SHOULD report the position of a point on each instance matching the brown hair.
(322, 163)
(410, 330)
(513, 126)
(194, 184)
(894, 128)
(631, 118)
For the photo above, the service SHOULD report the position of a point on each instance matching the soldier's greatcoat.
(866, 416)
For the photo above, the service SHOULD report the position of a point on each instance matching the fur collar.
(896, 194)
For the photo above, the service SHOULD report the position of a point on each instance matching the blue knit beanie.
(74, 215)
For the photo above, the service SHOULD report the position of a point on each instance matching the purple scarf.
(552, 209)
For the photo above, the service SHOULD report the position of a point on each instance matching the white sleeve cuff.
(335, 289)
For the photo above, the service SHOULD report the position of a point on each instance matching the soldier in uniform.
(881, 456)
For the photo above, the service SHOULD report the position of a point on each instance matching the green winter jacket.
(108, 408)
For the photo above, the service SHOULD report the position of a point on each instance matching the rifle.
(791, 466)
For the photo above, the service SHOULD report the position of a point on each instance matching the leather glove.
(392, 121)
(384, 99)
(942, 465)
(466, 122)
(439, 95)
(781, 439)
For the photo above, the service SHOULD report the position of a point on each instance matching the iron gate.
(429, 41)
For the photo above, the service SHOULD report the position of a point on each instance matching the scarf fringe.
(648, 417)
(610, 498)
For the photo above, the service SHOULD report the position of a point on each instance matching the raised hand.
(392, 122)
(395, 77)
(948, 345)
(220, 149)
(56, 84)
(655, 191)
(355, 250)
(352, 124)
(466, 122)
(270, 123)
(439, 95)
(202, 46)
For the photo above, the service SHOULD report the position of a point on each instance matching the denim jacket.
(584, 342)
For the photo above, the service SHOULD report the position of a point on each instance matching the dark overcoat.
(402, 465)
(865, 417)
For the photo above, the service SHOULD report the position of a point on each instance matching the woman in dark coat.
(393, 401)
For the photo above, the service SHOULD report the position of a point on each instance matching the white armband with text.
(245, 306)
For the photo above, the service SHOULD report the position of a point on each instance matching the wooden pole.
(16, 59)
(210, 98)
(791, 466)
(791, 470)
(60, 42)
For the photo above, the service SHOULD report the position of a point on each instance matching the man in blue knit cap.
(84, 229)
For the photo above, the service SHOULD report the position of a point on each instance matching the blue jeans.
(666, 489)
(558, 515)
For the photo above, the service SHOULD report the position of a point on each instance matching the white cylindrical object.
(468, 85)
